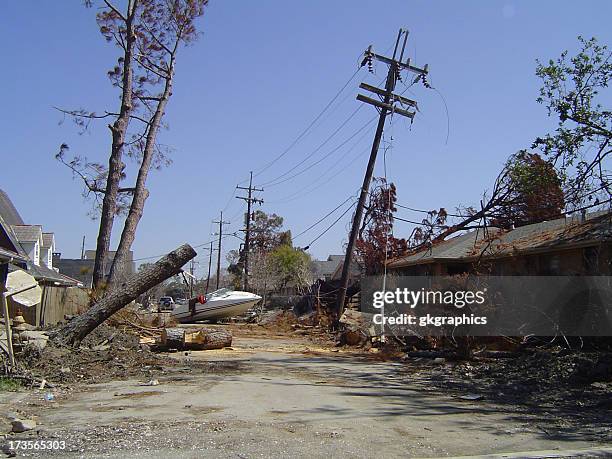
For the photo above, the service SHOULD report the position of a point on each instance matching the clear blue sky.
(258, 75)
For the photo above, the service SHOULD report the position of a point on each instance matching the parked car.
(166, 303)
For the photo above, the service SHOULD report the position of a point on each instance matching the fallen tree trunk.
(200, 339)
(173, 338)
(74, 331)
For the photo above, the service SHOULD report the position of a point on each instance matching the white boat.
(219, 304)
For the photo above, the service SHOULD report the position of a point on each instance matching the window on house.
(555, 265)
(591, 260)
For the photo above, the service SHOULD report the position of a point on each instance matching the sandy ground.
(286, 397)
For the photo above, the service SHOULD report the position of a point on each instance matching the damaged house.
(573, 245)
(28, 258)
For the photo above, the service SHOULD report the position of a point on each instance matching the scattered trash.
(471, 397)
(153, 382)
(49, 397)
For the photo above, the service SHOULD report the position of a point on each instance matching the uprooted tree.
(148, 34)
(572, 172)
(528, 190)
(78, 328)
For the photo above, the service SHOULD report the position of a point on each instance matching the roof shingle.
(27, 233)
(549, 235)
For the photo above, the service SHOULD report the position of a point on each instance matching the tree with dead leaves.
(527, 190)
(375, 242)
(148, 34)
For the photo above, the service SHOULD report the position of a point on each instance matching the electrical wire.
(427, 211)
(316, 150)
(324, 217)
(314, 186)
(330, 226)
(305, 131)
(338, 147)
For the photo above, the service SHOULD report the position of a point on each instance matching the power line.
(314, 186)
(343, 143)
(316, 150)
(428, 211)
(303, 133)
(324, 217)
(418, 223)
(329, 227)
(300, 193)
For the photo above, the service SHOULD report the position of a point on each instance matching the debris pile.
(105, 354)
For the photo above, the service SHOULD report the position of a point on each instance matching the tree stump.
(173, 338)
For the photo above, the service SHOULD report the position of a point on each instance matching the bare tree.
(148, 34)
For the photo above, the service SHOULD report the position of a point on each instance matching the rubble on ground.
(105, 354)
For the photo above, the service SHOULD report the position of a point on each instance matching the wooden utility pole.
(221, 223)
(209, 264)
(191, 278)
(83, 249)
(386, 105)
(247, 238)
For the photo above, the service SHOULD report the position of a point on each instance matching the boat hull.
(214, 309)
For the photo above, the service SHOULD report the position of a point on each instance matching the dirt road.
(285, 398)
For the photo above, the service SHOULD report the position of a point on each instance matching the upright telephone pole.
(191, 269)
(209, 264)
(386, 105)
(221, 223)
(247, 238)
(83, 249)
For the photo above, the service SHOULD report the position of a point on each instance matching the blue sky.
(259, 74)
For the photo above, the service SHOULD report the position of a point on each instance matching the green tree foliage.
(266, 236)
(573, 91)
(290, 267)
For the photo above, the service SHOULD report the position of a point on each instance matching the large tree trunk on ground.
(200, 339)
(168, 266)
(173, 338)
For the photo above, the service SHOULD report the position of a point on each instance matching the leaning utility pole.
(83, 249)
(247, 238)
(221, 223)
(386, 105)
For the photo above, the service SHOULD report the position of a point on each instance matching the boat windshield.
(217, 293)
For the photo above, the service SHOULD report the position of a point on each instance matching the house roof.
(27, 233)
(48, 239)
(325, 268)
(550, 235)
(9, 255)
(42, 273)
(8, 211)
(9, 243)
